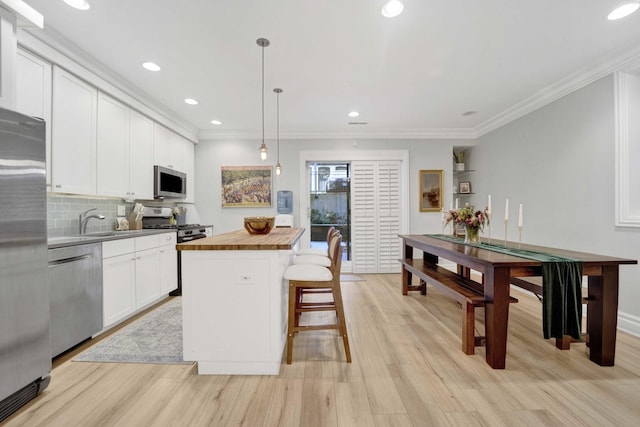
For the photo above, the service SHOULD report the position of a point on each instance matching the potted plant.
(458, 157)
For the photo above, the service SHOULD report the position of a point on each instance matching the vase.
(459, 167)
(472, 235)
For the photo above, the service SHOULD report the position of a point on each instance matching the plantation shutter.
(375, 216)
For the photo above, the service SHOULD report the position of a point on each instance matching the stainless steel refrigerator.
(25, 350)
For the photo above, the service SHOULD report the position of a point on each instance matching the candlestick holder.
(520, 236)
(506, 223)
(489, 226)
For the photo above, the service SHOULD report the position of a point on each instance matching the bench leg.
(406, 281)
(468, 328)
(564, 342)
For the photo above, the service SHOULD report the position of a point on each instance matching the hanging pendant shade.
(278, 91)
(262, 42)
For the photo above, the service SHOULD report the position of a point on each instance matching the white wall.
(559, 163)
(211, 155)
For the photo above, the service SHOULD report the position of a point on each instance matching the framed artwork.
(246, 186)
(465, 187)
(431, 187)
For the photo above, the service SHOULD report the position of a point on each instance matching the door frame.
(351, 156)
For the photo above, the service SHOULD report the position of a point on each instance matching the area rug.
(156, 337)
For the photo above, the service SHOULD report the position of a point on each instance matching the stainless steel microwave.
(169, 183)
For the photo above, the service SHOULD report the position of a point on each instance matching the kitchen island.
(235, 300)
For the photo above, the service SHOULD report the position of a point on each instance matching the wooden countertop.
(241, 240)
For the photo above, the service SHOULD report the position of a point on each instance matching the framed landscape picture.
(465, 187)
(431, 187)
(246, 186)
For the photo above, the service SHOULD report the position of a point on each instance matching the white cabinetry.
(113, 147)
(176, 157)
(73, 126)
(125, 149)
(140, 156)
(33, 94)
(133, 274)
(118, 280)
(168, 263)
(189, 169)
(167, 148)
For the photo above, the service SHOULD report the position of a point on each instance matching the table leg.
(407, 253)
(602, 316)
(496, 292)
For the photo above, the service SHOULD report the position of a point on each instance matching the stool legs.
(296, 295)
(294, 318)
(342, 322)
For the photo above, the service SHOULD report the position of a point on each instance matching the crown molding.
(621, 59)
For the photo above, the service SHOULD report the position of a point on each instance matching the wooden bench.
(534, 285)
(468, 293)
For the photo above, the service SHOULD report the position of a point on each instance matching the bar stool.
(317, 256)
(305, 279)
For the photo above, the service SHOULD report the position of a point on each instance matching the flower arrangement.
(473, 221)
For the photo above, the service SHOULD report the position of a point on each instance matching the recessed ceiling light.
(151, 66)
(622, 11)
(191, 101)
(216, 122)
(354, 114)
(78, 4)
(392, 8)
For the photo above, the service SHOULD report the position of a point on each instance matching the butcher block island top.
(241, 240)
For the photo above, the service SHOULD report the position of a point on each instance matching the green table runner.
(561, 287)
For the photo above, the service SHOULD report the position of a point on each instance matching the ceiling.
(410, 76)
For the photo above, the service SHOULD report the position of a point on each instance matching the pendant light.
(278, 91)
(263, 148)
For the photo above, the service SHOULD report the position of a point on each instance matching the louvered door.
(375, 216)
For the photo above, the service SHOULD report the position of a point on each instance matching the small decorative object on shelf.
(472, 220)
(465, 187)
(458, 157)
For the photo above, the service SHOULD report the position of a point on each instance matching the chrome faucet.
(83, 219)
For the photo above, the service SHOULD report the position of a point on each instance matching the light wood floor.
(408, 370)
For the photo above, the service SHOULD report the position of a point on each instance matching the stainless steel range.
(162, 218)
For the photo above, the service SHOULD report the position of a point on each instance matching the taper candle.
(489, 204)
(456, 204)
(520, 216)
(506, 210)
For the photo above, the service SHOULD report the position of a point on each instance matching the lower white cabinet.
(136, 274)
(168, 264)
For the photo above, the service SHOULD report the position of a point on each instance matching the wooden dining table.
(498, 269)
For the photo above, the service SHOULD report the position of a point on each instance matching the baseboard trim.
(629, 324)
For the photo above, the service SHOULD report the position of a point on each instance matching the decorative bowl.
(259, 224)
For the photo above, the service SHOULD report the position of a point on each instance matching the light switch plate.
(120, 210)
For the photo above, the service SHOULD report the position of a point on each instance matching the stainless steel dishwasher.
(75, 295)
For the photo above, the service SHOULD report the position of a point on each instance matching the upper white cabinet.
(189, 169)
(140, 156)
(33, 94)
(73, 139)
(161, 141)
(176, 154)
(125, 149)
(168, 148)
(113, 147)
